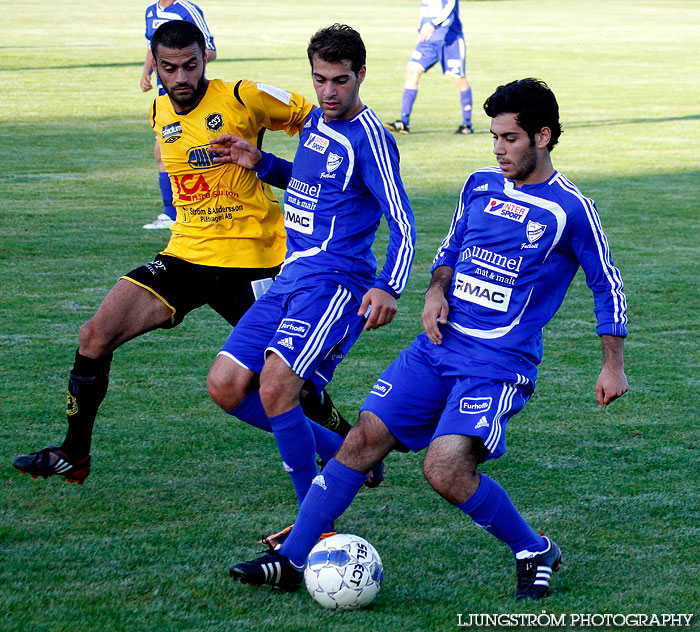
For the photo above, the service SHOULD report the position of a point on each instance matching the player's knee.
(276, 398)
(93, 342)
(367, 443)
(223, 392)
(452, 475)
(413, 74)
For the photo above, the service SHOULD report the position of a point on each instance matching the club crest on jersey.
(333, 162)
(294, 327)
(509, 210)
(534, 231)
(171, 132)
(381, 388)
(214, 122)
(317, 143)
(474, 405)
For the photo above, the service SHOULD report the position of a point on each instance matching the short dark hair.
(533, 103)
(177, 34)
(338, 43)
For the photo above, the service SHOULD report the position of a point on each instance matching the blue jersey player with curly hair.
(520, 232)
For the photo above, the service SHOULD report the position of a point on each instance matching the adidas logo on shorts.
(286, 342)
(483, 423)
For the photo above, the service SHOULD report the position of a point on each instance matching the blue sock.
(407, 101)
(330, 495)
(295, 441)
(167, 194)
(327, 441)
(252, 412)
(491, 508)
(465, 98)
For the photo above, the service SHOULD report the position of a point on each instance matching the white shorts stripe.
(315, 343)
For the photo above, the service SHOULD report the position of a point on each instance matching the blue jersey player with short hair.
(440, 39)
(158, 13)
(519, 234)
(344, 178)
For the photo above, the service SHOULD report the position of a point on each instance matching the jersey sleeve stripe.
(404, 256)
(612, 274)
(237, 93)
(444, 13)
(198, 20)
(403, 263)
(459, 211)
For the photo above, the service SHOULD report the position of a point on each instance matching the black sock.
(87, 387)
(320, 408)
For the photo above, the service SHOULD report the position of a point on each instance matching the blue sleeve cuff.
(612, 329)
(380, 284)
(273, 170)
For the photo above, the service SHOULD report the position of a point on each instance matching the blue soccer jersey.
(345, 176)
(514, 252)
(444, 16)
(178, 10)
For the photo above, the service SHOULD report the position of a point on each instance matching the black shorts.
(185, 286)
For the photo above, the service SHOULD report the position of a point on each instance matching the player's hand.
(146, 84)
(230, 148)
(611, 384)
(426, 32)
(383, 308)
(435, 311)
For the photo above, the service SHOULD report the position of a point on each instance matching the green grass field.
(179, 490)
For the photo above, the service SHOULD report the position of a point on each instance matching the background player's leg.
(408, 98)
(410, 91)
(167, 217)
(465, 100)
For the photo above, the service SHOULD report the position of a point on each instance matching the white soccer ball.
(343, 572)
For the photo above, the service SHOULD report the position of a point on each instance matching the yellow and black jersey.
(225, 215)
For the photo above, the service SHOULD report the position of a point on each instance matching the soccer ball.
(343, 572)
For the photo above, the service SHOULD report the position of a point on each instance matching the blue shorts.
(452, 56)
(311, 328)
(430, 391)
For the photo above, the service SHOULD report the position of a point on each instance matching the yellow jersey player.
(227, 243)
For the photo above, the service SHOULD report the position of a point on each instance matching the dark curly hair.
(533, 103)
(338, 43)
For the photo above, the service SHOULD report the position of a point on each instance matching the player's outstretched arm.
(436, 308)
(146, 84)
(426, 32)
(230, 148)
(612, 381)
(382, 306)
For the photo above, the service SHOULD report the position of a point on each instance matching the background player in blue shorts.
(519, 234)
(440, 39)
(156, 14)
(345, 176)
